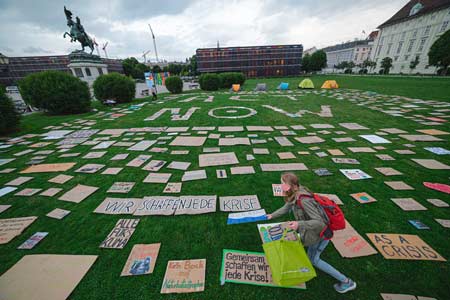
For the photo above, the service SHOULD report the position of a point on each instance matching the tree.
(156, 69)
(129, 64)
(413, 64)
(368, 64)
(439, 54)
(318, 60)
(386, 65)
(306, 63)
(192, 67)
(342, 65)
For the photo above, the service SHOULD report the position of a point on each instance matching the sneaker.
(344, 287)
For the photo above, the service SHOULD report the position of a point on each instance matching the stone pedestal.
(86, 66)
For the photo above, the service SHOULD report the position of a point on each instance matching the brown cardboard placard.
(242, 170)
(142, 260)
(399, 185)
(283, 167)
(138, 161)
(403, 246)
(194, 175)
(27, 192)
(384, 157)
(4, 207)
(121, 187)
(194, 205)
(194, 141)
(118, 206)
(157, 205)
(353, 126)
(239, 203)
(233, 141)
(50, 192)
(431, 164)
(420, 138)
(154, 165)
(438, 202)
(112, 171)
(10, 228)
(94, 154)
(445, 223)
(286, 155)
(408, 204)
(43, 168)
(349, 243)
(58, 213)
(387, 171)
(179, 165)
(121, 234)
(342, 160)
(90, 168)
(397, 297)
(310, 139)
(44, 276)
(361, 149)
(335, 152)
(217, 159)
(433, 131)
(184, 276)
(157, 177)
(173, 187)
(78, 193)
(19, 180)
(363, 198)
(277, 191)
(60, 179)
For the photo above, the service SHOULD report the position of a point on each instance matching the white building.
(410, 33)
(309, 51)
(356, 52)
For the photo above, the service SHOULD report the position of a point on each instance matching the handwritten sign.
(10, 228)
(193, 205)
(184, 276)
(350, 244)
(118, 206)
(142, 260)
(239, 203)
(121, 233)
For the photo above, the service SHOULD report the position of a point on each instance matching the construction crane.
(96, 47)
(144, 55)
(104, 49)
(154, 42)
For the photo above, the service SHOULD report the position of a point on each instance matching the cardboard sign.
(42, 276)
(283, 167)
(274, 231)
(154, 165)
(157, 205)
(349, 243)
(92, 155)
(375, 139)
(173, 187)
(438, 202)
(78, 193)
(247, 217)
(33, 240)
(142, 260)
(139, 161)
(194, 175)
(420, 138)
(353, 126)
(10, 228)
(16, 182)
(388, 171)
(233, 141)
(408, 204)
(431, 164)
(121, 187)
(242, 170)
(363, 198)
(403, 246)
(217, 159)
(4, 207)
(310, 139)
(118, 206)
(179, 165)
(248, 268)
(121, 233)
(398, 185)
(141, 146)
(193, 205)
(27, 192)
(193, 141)
(157, 178)
(7, 190)
(90, 168)
(283, 141)
(355, 174)
(60, 179)
(277, 191)
(397, 297)
(184, 276)
(43, 168)
(58, 213)
(239, 203)
(443, 222)
(50, 192)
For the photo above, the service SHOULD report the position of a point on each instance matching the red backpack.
(334, 214)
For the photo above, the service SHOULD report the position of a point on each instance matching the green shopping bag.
(288, 262)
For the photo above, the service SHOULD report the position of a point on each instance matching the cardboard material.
(443, 222)
(141, 146)
(90, 168)
(154, 165)
(403, 246)
(247, 217)
(4, 207)
(142, 260)
(60, 179)
(441, 187)
(43, 276)
(118, 206)
(335, 152)
(286, 155)
(43, 168)
(194, 175)
(33, 240)
(384, 157)
(121, 234)
(112, 171)
(217, 159)
(247, 268)
(283, 141)
(363, 198)
(78, 193)
(27, 192)
(157, 178)
(361, 150)
(353, 126)
(438, 202)
(179, 165)
(349, 243)
(96, 154)
(50, 192)
(173, 187)
(398, 185)
(239, 203)
(341, 160)
(58, 213)
(277, 191)
(420, 138)
(18, 181)
(233, 141)
(10, 228)
(138, 161)
(375, 139)
(355, 174)
(221, 173)
(431, 164)
(121, 187)
(184, 276)
(157, 205)
(194, 141)
(408, 204)
(310, 140)
(242, 170)
(194, 205)
(283, 167)
(388, 171)
(433, 131)
(397, 297)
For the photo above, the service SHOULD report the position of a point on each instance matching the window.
(88, 72)
(411, 45)
(422, 44)
(403, 35)
(444, 26)
(379, 50)
(382, 40)
(415, 33)
(389, 49)
(406, 57)
(395, 58)
(400, 45)
(78, 72)
(427, 30)
(100, 71)
(356, 56)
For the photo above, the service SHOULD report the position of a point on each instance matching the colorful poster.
(354, 174)
(33, 240)
(247, 217)
(149, 79)
(121, 233)
(184, 276)
(142, 260)
(274, 231)
(363, 198)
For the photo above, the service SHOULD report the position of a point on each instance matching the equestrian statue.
(77, 32)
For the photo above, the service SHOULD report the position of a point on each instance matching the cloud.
(183, 26)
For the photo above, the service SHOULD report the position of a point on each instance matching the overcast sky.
(36, 27)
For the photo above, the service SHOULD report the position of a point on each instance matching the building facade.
(254, 61)
(410, 33)
(355, 51)
(12, 69)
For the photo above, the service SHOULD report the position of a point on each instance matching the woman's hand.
(293, 225)
(269, 217)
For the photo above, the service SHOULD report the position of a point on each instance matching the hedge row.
(212, 81)
(9, 117)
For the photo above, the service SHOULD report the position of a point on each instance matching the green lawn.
(205, 236)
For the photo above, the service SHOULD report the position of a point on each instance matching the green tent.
(306, 84)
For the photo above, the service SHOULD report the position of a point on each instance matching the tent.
(260, 87)
(235, 88)
(283, 86)
(306, 84)
(330, 84)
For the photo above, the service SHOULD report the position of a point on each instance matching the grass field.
(205, 236)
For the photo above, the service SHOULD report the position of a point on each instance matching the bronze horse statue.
(77, 32)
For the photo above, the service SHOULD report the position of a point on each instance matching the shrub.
(56, 92)
(209, 82)
(9, 117)
(228, 79)
(114, 86)
(174, 84)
